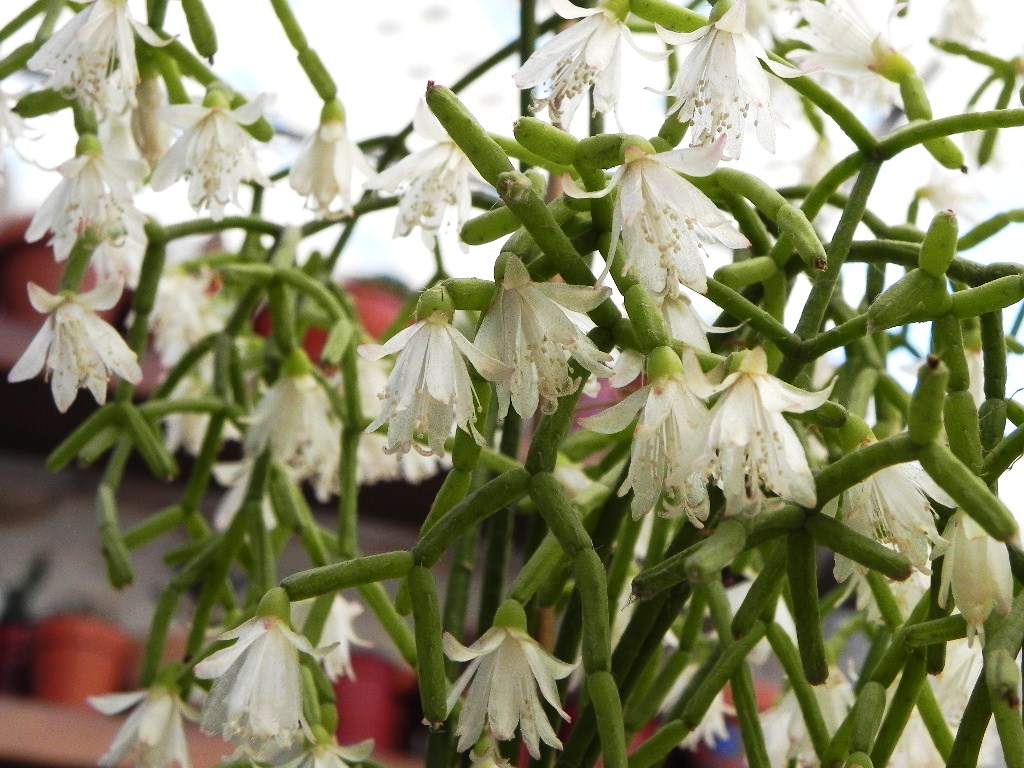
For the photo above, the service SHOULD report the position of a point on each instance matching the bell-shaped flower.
(94, 198)
(325, 752)
(842, 40)
(92, 57)
(322, 172)
(663, 219)
(893, 507)
(296, 421)
(236, 476)
(663, 472)
(75, 347)
(431, 181)
(429, 391)
(256, 698)
(507, 670)
(153, 736)
(214, 150)
(976, 571)
(786, 736)
(373, 465)
(685, 325)
(586, 54)
(536, 328)
(11, 128)
(750, 448)
(720, 84)
(337, 632)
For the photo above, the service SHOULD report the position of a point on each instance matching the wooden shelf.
(62, 736)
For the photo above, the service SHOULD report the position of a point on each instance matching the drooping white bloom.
(186, 310)
(430, 182)
(786, 736)
(235, 476)
(11, 128)
(963, 21)
(329, 754)
(322, 171)
(713, 727)
(296, 421)
(586, 54)
(663, 472)
(214, 151)
(976, 570)
(75, 348)
(664, 220)
(337, 632)
(750, 447)
(720, 84)
(535, 329)
(82, 56)
(429, 391)
(94, 198)
(373, 465)
(507, 668)
(893, 507)
(685, 325)
(843, 41)
(153, 736)
(256, 698)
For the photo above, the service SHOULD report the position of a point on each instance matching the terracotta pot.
(75, 656)
(379, 704)
(22, 263)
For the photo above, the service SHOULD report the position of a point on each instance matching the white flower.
(235, 476)
(507, 668)
(75, 347)
(338, 632)
(329, 754)
(786, 736)
(187, 309)
(535, 329)
(843, 41)
(891, 507)
(295, 419)
(11, 128)
(685, 325)
(83, 53)
(94, 197)
(256, 699)
(976, 569)
(963, 21)
(663, 472)
(430, 181)
(584, 55)
(373, 465)
(322, 171)
(429, 391)
(750, 446)
(663, 219)
(720, 84)
(214, 150)
(153, 736)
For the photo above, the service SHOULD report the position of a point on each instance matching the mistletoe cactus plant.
(687, 379)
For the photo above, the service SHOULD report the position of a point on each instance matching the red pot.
(379, 704)
(76, 656)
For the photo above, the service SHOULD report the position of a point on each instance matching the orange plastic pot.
(76, 656)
